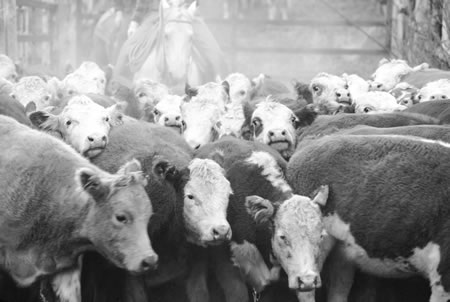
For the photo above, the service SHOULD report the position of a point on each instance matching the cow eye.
(367, 109)
(121, 218)
(46, 98)
(316, 88)
(242, 92)
(256, 122)
(102, 81)
(141, 95)
(293, 119)
(346, 86)
(156, 112)
(106, 119)
(190, 196)
(68, 123)
(419, 97)
(70, 92)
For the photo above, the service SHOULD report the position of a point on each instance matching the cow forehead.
(238, 80)
(200, 111)
(266, 111)
(31, 83)
(328, 80)
(437, 85)
(84, 111)
(393, 67)
(299, 213)
(209, 177)
(169, 104)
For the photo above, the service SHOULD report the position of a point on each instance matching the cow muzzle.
(219, 234)
(95, 144)
(174, 122)
(305, 283)
(279, 139)
(343, 97)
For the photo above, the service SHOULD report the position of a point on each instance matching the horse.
(177, 56)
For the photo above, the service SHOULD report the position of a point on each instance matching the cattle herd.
(237, 190)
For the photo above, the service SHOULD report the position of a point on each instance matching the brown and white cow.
(376, 102)
(330, 93)
(167, 112)
(433, 91)
(83, 124)
(214, 93)
(56, 205)
(149, 92)
(240, 87)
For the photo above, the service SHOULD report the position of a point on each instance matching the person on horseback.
(146, 32)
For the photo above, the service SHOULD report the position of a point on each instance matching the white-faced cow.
(274, 124)
(385, 218)
(56, 205)
(83, 124)
(75, 83)
(437, 90)
(149, 92)
(32, 90)
(240, 87)
(214, 93)
(376, 102)
(391, 72)
(93, 72)
(330, 93)
(167, 112)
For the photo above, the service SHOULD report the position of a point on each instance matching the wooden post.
(8, 32)
(389, 16)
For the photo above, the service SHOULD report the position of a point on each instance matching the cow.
(391, 72)
(241, 87)
(91, 71)
(376, 102)
(79, 207)
(405, 94)
(439, 109)
(387, 221)
(214, 93)
(189, 199)
(423, 76)
(75, 84)
(149, 92)
(264, 85)
(432, 91)
(7, 69)
(274, 124)
(232, 121)
(324, 125)
(34, 91)
(12, 108)
(83, 124)
(330, 93)
(167, 112)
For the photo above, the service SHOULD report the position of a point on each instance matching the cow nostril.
(348, 94)
(338, 94)
(177, 118)
(197, 147)
(149, 262)
(283, 132)
(271, 133)
(104, 138)
(379, 85)
(166, 119)
(91, 139)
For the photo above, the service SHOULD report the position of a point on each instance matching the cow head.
(377, 102)
(75, 83)
(92, 72)
(149, 92)
(200, 117)
(168, 112)
(206, 196)
(7, 69)
(240, 87)
(433, 91)
(32, 89)
(274, 124)
(356, 84)
(330, 93)
(297, 235)
(405, 94)
(83, 124)
(117, 222)
(230, 124)
(389, 73)
(215, 93)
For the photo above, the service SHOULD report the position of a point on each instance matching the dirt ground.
(286, 64)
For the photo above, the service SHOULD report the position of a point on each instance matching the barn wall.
(420, 31)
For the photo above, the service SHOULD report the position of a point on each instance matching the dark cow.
(438, 109)
(11, 107)
(258, 184)
(324, 125)
(384, 216)
(57, 205)
(422, 77)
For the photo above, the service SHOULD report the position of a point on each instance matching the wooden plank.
(318, 51)
(298, 22)
(37, 4)
(8, 29)
(389, 16)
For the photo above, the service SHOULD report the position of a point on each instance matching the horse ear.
(193, 8)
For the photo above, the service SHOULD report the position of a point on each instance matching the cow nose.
(309, 282)
(277, 135)
(221, 232)
(150, 262)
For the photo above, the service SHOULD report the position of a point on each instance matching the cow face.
(330, 93)
(377, 102)
(92, 72)
(240, 87)
(168, 112)
(356, 84)
(389, 74)
(75, 83)
(274, 124)
(206, 195)
(7, 69)
(433, 91)
(297, 235)
(83, 124)
(214, 93)
(117, 222)
(200, 117)
(405, 94)
(149, 92)
(34, 90)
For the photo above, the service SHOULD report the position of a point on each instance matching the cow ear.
(306, 116)
(44, 120)
(383, 61)
(92, 184)
(303, 91)
(190, 91)
(257, 83)
(115, 115)
(164, 170)
(30, 107)
(321, 195)
(259, 208)
(226, 87)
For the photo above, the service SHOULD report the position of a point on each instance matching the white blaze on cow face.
(240, 87)
(274, 124)
(433, 91)
(200, 117)
(297, 235)
(168, 112)
(206, 196)
(149, 92)
(390, 72)
(32, 89)
(118, 224)
(83, 124)
(330, 93)
(92, 72)
(7, 69)
(404, 93)
(377, 102)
